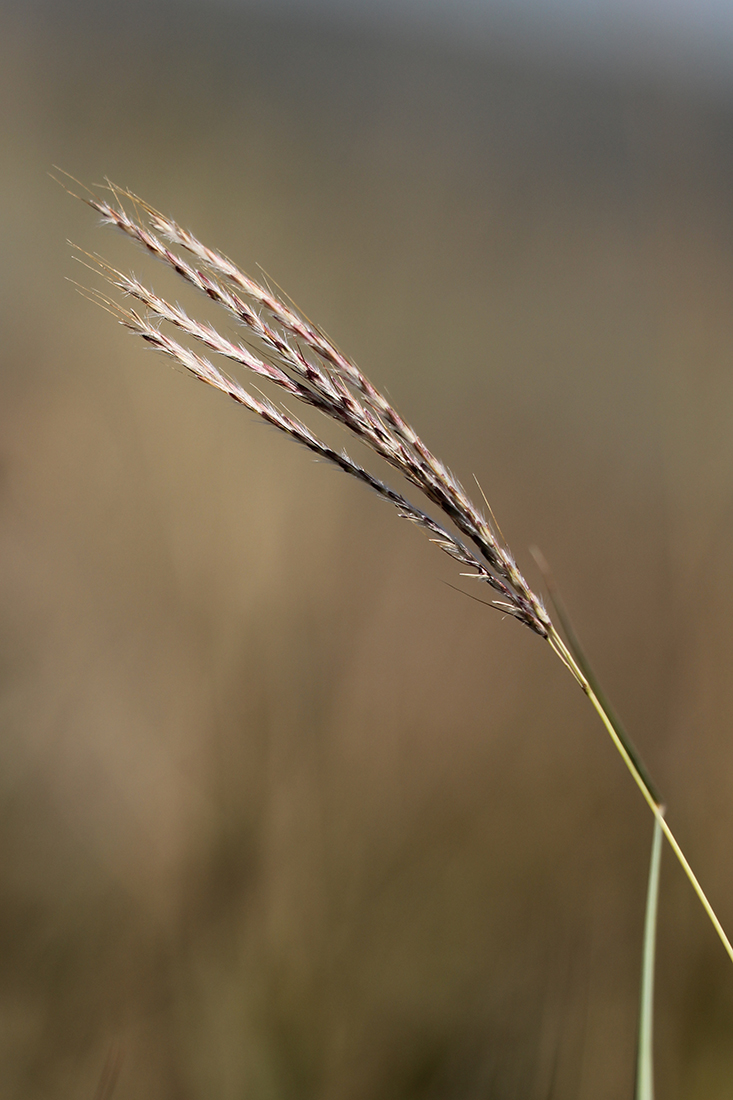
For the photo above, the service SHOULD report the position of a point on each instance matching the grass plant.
(283, 348)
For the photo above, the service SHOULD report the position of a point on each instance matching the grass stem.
(657, 809)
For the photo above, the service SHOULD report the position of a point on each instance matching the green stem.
(570, 662)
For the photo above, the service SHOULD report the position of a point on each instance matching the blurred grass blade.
(645, 1054)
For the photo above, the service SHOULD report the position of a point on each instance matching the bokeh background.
(282, 815)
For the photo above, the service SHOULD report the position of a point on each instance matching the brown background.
(281, 815)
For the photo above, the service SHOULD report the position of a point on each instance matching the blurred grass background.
(281, 815)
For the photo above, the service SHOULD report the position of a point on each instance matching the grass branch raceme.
(286, 350)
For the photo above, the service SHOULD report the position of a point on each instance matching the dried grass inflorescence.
(300, 359)
(303, 362)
